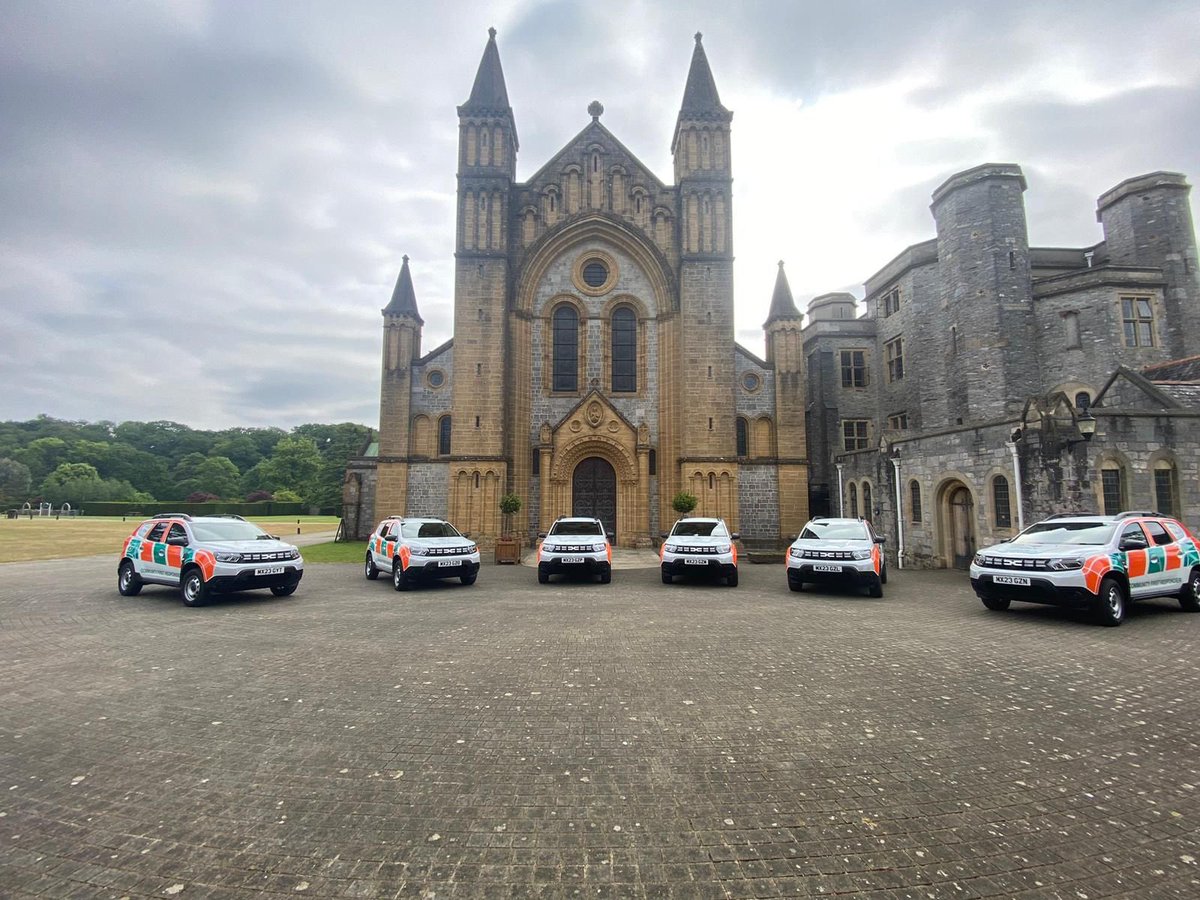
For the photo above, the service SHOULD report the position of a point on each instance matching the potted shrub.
(508, 546)
(683, 503)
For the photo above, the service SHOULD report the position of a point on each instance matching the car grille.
(683, 548)
(571, 548)
(1015, 562)
(827, 554)
(446, 551)
(271, 556)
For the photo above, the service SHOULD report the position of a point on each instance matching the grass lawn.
(49, 538)
(346, 552)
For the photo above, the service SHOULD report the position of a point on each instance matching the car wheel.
(732, 578)
(883, 574)
(129, 584)
(796, 584)
(193, 588)
(1189, 596)
(667, 577)
(606, 576)
(999, 604)
(1110, 605)
(468, 579)
(284, 590)
(372, 570)
(875, 588)
(399, 579)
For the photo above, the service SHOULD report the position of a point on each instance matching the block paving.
(582, 740)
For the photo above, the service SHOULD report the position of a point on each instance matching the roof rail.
(172, 516)
(1135, 513)
(1069, 515)
(227, 516)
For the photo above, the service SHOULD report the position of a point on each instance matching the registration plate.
(695, 561)
(1019, 580)
(270, 570)
(572, 560)
(826, 567)
(447, 562)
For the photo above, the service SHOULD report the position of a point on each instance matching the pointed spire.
(489, 93)
(700, 97)
(404, 298)
(782, 304)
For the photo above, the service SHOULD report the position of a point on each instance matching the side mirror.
(880, 540)
(541, 534)
(1133, 543)
(791, 538)
(663, 534)
(177, 541)
(466, 534)
(735, 536)
(610, 535)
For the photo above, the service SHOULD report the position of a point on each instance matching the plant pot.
(508, 551)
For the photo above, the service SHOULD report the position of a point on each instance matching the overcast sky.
(204, 205)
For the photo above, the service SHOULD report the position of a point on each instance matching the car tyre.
(468, 579)
(1189, 594)
(796, 584)
(875, 588)
(194, 588)
(1111, 603)
(883, 574)
(543, 575)
(667, 577)
(129, 583)
(284, 590)
(732, 578)
(399, 579)
(372, 570)
(606, 576)
(997, 604)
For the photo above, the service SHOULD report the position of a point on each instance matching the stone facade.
(593, 368)
(985, 354)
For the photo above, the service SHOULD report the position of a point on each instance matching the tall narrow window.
(1164, 488)
(853, 500)
(1112, 486)
(1001, 510)
(854, 368)
(1138, 317)
(866, 500)
(743, 437)
(444, 436)
(535, 462)
(566, 349)
(914, 503)
(1071, 328)
(894, 352)
(624, 350)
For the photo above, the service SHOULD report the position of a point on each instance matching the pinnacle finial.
(405, 257)
(781, 264)
(492, 33)
(595, 110)
(698, 37)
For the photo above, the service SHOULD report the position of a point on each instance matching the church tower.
(487, 151)
(704, 425)
(401, 348)
(785, 351)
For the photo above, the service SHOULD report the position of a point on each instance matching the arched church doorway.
(960, 521)
(594, 492)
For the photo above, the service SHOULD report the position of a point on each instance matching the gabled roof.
(1145, 393)
(783, 306)
(404, 298)
(593, 132)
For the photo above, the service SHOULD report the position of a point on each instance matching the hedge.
(265, 508)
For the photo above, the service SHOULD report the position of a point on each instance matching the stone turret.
(402, 325)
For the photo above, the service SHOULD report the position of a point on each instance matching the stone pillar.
(546, 514)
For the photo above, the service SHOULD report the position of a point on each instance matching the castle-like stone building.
(957, 407)
(593, 368)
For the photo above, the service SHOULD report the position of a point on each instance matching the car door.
(176, 542)
(1135, 547)
(378, 545)
(1165, 562)
(153, 557)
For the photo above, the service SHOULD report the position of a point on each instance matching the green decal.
(160, 554)
(1156, 561)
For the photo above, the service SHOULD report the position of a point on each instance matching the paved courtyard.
(579, 740)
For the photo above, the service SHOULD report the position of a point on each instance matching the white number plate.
(1019, 580)
(826, 567)
(270, 570)
(695, 561)
(447, 562)
(572, 560)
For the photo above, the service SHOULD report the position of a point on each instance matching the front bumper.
(583, 564)
(832, 573)
(420, 567)
(224, 582)
(716, 566)
(1039, 590)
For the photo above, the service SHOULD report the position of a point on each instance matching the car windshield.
(1066, 533)
(231, 530)
(428, 530)
(697, 529)
(592, 528)
(834, 531)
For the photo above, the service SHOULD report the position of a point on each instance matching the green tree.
(42, 455)
(218, 475)
(293, 465)
(14, 481)
(683, 502)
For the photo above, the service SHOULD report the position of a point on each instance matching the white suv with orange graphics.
(575, 545)
(701, 547)
(413, 550)
(205, 555)
(837, 551)
(1092, 562)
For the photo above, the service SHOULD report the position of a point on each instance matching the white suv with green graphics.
(413, 549)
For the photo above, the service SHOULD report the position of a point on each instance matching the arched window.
(653, 462)
(914, 511)
(1112, 486)
(743, 437)
(1001, 508)
(1083, 400)
(624, 350)
(712, 481)
(444, 436)
(566, 349)
(853, 500)
(1165, 488)
(866, 500)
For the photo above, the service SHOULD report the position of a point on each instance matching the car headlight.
(862, 554)
(223, 556)
(722, 548)
(1066, 563)
(471, 548)
(979, 560)
(293, 554)
(671, 548)
(797, 552)
(597, 548)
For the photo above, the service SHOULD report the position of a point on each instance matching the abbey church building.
(593, 368)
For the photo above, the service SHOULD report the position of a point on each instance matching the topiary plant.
(683, 503)
(510, 505)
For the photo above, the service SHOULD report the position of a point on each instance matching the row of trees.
(80, 462)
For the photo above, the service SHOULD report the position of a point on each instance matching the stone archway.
(594, 491)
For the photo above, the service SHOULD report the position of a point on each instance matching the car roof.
(576, 519)
(839, 519)
(701, 519)
(1106, 517)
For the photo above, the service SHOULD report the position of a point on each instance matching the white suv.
(206, 555)
(575, 545)
(699, 546)
(420, 549)
(837, 551)
(1094, 562)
